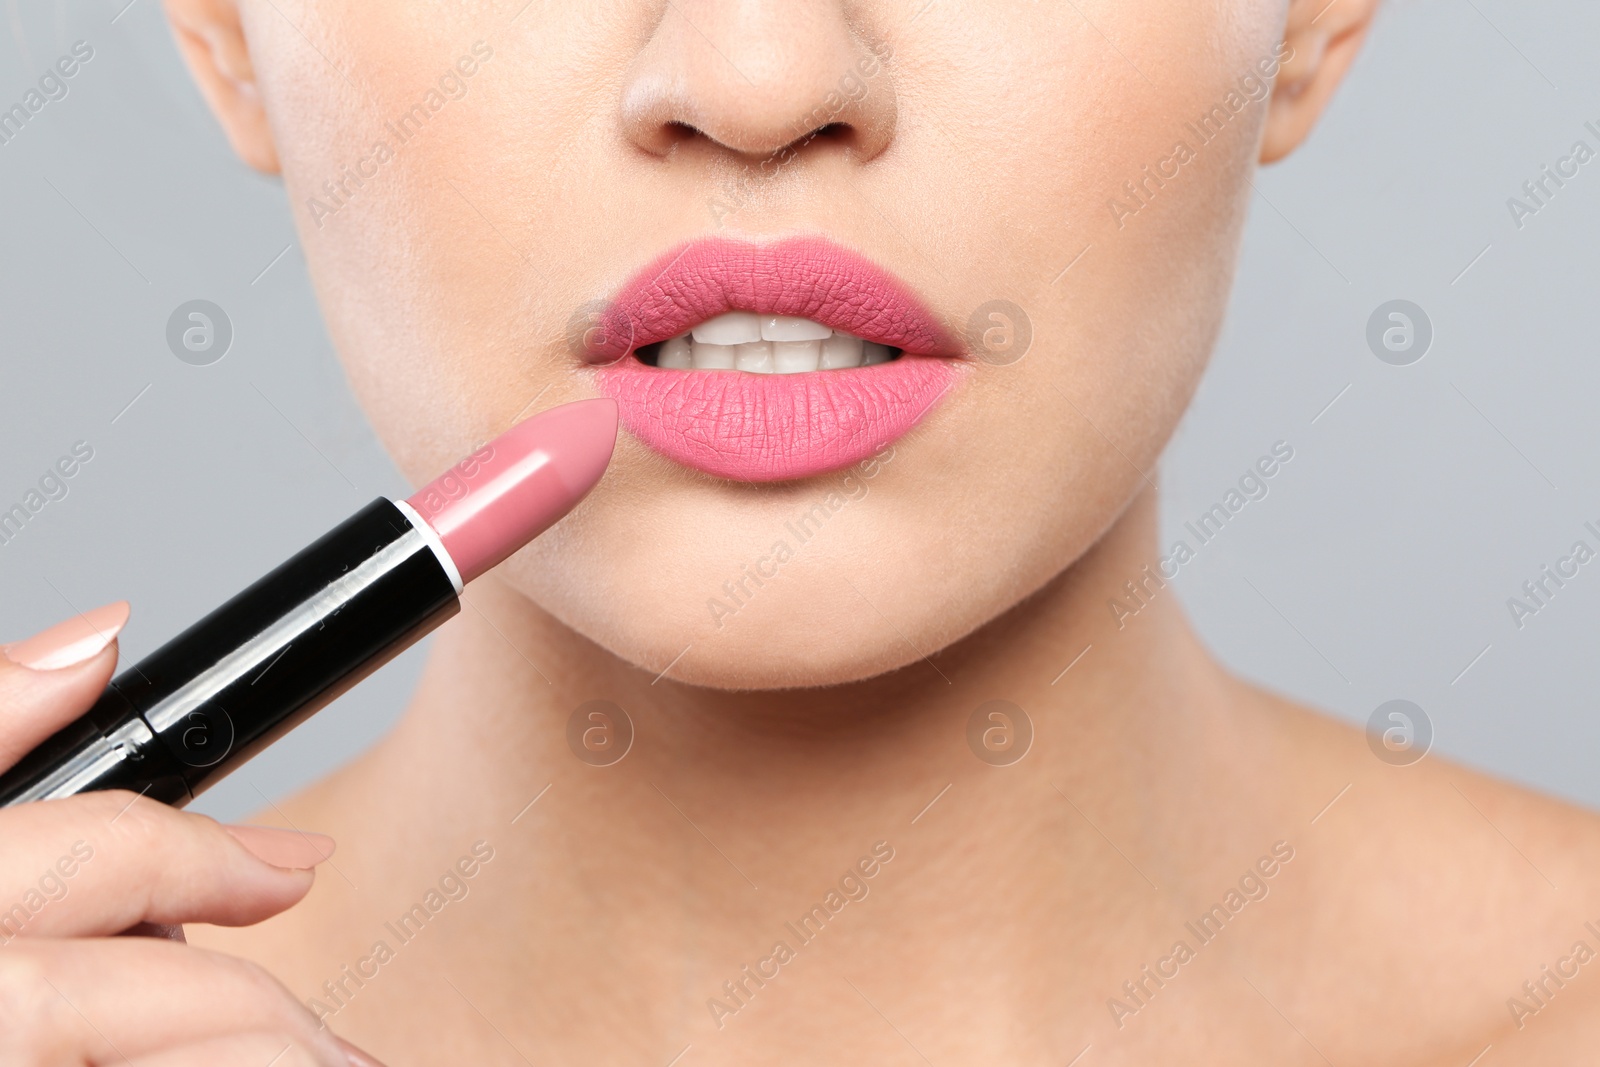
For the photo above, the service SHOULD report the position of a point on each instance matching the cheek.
(1124, 272)
(434, 294)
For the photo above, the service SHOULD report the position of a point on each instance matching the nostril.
(669, 136)
(678, 132)
(840, 134)
(750, 80)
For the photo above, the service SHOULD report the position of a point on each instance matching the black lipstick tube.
(255, 668)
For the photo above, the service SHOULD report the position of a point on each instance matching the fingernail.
(296, 850)
(356, 1057)
(70, 643)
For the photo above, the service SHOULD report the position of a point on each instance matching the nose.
(753, 77)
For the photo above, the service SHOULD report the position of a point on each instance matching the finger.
(53, 677)
(356, 1057)
(105, 1000)
(99, 863)
(237, 1050)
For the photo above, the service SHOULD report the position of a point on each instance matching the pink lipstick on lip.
(239, 679)
(777, 427)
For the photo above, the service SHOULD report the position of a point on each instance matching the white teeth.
(771, 344)
(729, 328)
(790, 328)
(675, 354)
(840, 351)
(795, 357)
(874, 353)
(755, 357)
(713, 357)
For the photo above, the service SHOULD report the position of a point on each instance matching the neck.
(733, 813)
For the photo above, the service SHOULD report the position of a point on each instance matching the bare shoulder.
(1410, 801)
(1472, 900)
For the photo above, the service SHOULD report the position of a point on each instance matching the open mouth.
(821, 358)
(764, 344)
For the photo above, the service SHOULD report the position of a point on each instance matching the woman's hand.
(76, 873)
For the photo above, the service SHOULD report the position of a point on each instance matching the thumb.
(51, 678)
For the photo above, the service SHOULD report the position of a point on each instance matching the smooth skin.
(831, 711)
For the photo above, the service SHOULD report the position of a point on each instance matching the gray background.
(1378, 567)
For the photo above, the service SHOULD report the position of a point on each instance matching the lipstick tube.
(258, 666)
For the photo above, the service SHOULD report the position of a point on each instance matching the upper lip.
(809, 277)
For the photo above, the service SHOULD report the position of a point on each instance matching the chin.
(729, 612)
(731, 587)
(764, 658)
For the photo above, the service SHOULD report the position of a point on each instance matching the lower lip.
(233, 683)
(775, 427)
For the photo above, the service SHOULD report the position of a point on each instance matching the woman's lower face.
(901, 300)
